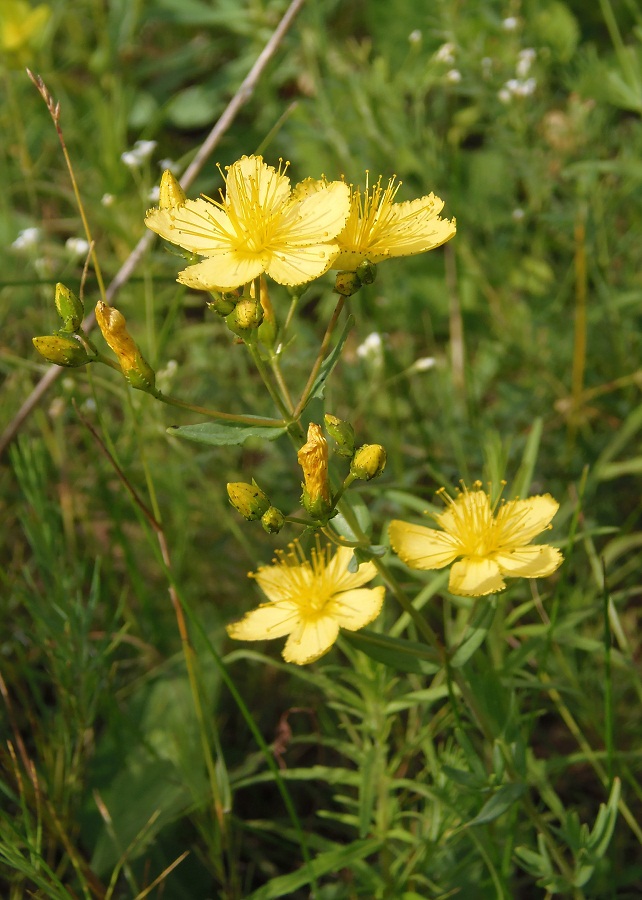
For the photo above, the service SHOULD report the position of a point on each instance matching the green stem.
(327, 337)
(216, 414)
(288, 320)
(267, 381)
(406, 604)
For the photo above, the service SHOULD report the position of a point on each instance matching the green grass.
(135, 734)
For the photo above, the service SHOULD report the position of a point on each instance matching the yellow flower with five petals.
(309, 600)
(378, 228)
(492, 542)
(258, 226)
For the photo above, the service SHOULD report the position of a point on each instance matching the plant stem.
(216, 414)
(323, 349)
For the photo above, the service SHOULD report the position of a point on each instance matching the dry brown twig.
(125, 272)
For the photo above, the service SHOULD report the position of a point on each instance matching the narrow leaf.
(222, 433)
(502, 800)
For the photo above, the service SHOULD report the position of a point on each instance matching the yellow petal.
(475, 577)
(251, 180)
(341, 579)
(316, 218)
(529, 562)
(269, 620)
(415, 226)
(280, 582)
(519, 521)
(301, 264)
(224, 271)
(311, 640)
(357, 608)
(198, 226)
(420, 547)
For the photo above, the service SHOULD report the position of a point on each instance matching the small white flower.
(168, 163)
(77, 246)
(139, 154)
(505, 95)
(446, 53)
(525, 60)
(371, 349)
(423, 364)
(27, 238)
(415, 37)
(130, 159)
(144, 149)
(525, 88)
(453, 76)
(107, 200)
(518, 214)
(511, 23)
(154, 194)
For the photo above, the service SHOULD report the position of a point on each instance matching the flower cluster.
(261, 225)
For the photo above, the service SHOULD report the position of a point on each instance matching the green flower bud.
(70, 308)
(62, 350)
(347, 284)
(342, 432)
(245, 317)
(273, 520)
(223, 304)
(369, 462)
(248, 499)
(366, 271)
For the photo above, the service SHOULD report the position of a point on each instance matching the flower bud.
(366, 271)
(245, 317)
(343, 434)
(248, 499)
(171, 193)
(369, 462)
(313, 459)
(273, 520)
(134, 367)
(267, 328)
(347, 284)
(223, 304)
(70, 308)
(62, 350)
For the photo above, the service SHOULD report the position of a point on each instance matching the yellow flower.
(258, 226)
(378, 228)
(21, 29)
(492, 542)
(309, 600)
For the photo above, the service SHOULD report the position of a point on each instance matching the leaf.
(223, 433)
(480, 622)
(398, 654)
(332, 861)
(357, 511)
(501, 801)
(330, 362)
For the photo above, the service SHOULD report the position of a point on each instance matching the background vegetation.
(531, 316)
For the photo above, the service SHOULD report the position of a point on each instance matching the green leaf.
(398, 654)
(223, 433)
(330, 862)
(357, 510)
(480, 622)
(330, 362)
(502, 800)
